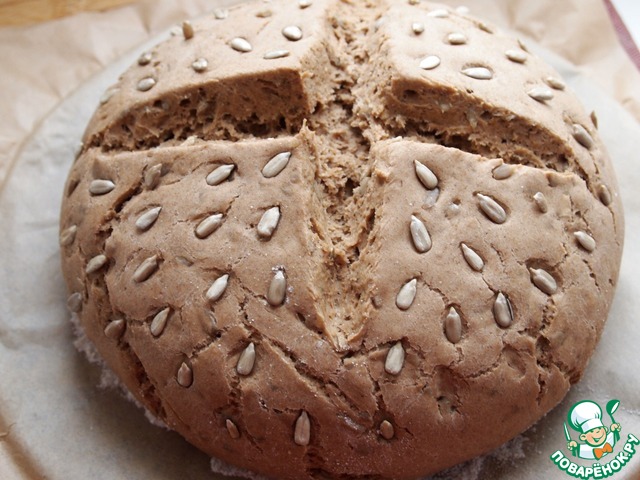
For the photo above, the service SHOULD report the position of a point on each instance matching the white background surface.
(629, 10)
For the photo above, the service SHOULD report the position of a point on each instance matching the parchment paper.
(56, 423)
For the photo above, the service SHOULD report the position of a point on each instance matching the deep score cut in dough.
(342, 239)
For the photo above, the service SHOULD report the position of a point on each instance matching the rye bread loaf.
(342, 239)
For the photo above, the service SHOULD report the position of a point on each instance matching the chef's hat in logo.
(585, 416)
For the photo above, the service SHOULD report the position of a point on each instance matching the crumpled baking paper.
(56, 423)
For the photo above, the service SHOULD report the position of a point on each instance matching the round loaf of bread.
(342, 239)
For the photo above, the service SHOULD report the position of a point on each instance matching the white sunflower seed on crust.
(277, 163)
(277, 288)
(540, 94)
(430, 62)
(594, 118)
(585, 240)
(555, 83)
(247, 360)
(159, 322)
(274, 54)
(425, 175)
(417, 27)
(541, 202)
(220, 13)
(101, 186)
(517, 56)
(145, 58)
(302, 431)
(479, 73)
(184, 375)
(292, 32)
(68, 235)
(406, 295)
(147, 268)
(268, 222)
(472, 258)
(304, 3)
(187, 30)
(115, 329)
(503, 171)
(604, 195)
(502, 311)
(208, 225)
(74, 302)
(96, 263)
(152, 176)
(438, 13)
(492, 209)
(146, 84)
(457, 38)
(200, 65)
(582, 136)
(217, 288)
(543, 280)
(419, 235)
(395, 359)
(220, 174)
(232, 429)
(241, 45)
(148, 218)
(453, 326)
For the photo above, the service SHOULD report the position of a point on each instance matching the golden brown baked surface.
(322, 240)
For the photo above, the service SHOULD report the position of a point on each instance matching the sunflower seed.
(145, 58)
(430, 62)
(220, 174)
(594, 118)
(148, 218)
(302, 432)
(582, 136)
(386, 430)
(438, 13)
(106, 96)
(220, 13)
(241, 45)
(209, 225)
(395, 359)
(555, 83)
(485, 28)
(492, 209)
(268, 222)
(425, 175)
(417, 27)
(200, 65)
(304, 3)
(266, 13)
(453, 326)
(232, 429)
(276, 164)
(246, 360)
(541, 202)
(147, 268)
(604, 195)
(414, 2)
(585, 240)
(152, 176)
(517, 56)
(96, 263)
(159, 322)
(277, 288)
(502, 311)
(115, 329)
(419, 235)
(185, 375)
(187, 30)
(101, 186)
(292, 32)
(406, 295)
(217, 288)
(273, 54)
(457, 38)
(503, 171)
(68, 235)
(463, 10)
(74, 302)
(146, 84)
(479, 73)
(541, 94)
(543, 280)
(523, 45)
(473, 259)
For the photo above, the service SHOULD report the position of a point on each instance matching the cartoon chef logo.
(585, 417)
